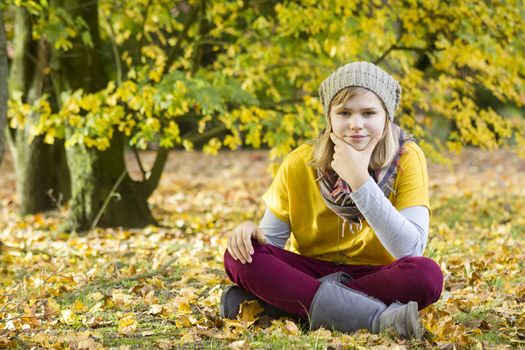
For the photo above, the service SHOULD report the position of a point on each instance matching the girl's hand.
(350, 164)
(240, 241)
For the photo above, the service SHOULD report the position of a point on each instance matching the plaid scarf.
(336, 192)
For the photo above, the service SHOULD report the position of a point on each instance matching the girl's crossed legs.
(289, 281)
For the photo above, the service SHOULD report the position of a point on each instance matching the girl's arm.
(276, 231)
(401, 233)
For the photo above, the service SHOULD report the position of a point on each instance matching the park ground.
(159, 287)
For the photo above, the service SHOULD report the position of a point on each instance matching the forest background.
(100, 99)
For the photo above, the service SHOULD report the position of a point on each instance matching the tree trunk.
(3, 85)
(42, 176)
(39, 184)
(103, 193)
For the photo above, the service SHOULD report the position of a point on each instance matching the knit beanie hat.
(366, 75)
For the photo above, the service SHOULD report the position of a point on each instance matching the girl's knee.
(430, 272)
(421, 265)
(233, 268)
(230, 264)
(228, 260)
(427, 278)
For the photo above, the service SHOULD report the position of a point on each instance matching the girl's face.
(359, 119)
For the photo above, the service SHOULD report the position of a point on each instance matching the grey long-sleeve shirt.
(402, 233)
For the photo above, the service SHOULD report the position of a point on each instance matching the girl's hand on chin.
(352, 164)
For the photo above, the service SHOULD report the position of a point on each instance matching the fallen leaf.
(184, 308)
(127, 324)
(78, 307)
(481, 324)
(239, 345)
(68, 316)
(184, 321)
(88, 343)
(51, 307)
(155, 309)
(249, 312)
(290, 328)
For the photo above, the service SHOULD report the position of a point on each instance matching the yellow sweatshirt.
(294, 197)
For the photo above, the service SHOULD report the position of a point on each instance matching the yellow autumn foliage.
(255, 80)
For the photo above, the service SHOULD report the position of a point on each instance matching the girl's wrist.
(358, 181)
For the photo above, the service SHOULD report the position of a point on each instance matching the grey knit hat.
(366, 75)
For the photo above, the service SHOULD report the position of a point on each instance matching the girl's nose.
(356, 123)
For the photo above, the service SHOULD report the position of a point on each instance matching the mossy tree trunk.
(42, 176)
(3, 85)
(103, 194)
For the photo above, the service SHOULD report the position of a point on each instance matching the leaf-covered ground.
(160, 287)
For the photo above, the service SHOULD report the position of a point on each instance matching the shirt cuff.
(366, 188)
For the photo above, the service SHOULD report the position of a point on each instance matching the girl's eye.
(369, 113)
(344, 113)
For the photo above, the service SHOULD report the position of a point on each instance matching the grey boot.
(233, 296)
(342, 308)
(403, 318)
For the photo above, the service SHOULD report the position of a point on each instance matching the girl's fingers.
(242, 250)
(248, 248)
(239, 241)
(237, 251)
(230, 248)
(373, 143)
(335, 139)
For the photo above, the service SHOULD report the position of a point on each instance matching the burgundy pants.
(289, 281)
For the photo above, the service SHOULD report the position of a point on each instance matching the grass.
(110, 337)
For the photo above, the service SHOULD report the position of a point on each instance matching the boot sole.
(223, 300)
(244, 296)
(241, 296)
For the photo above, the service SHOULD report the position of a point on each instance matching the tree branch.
(137, 158)
(143, 25)
(196, 137)
(197, 50)
(405, 48)
(110, 195)
(21, 300)
(399, 35)
(114, 48)
(150, 184)
(175, 51)
(212, 42)
(382, 57)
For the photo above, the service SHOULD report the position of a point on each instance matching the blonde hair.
(323, 151)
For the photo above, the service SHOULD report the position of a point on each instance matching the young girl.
(355, 207)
